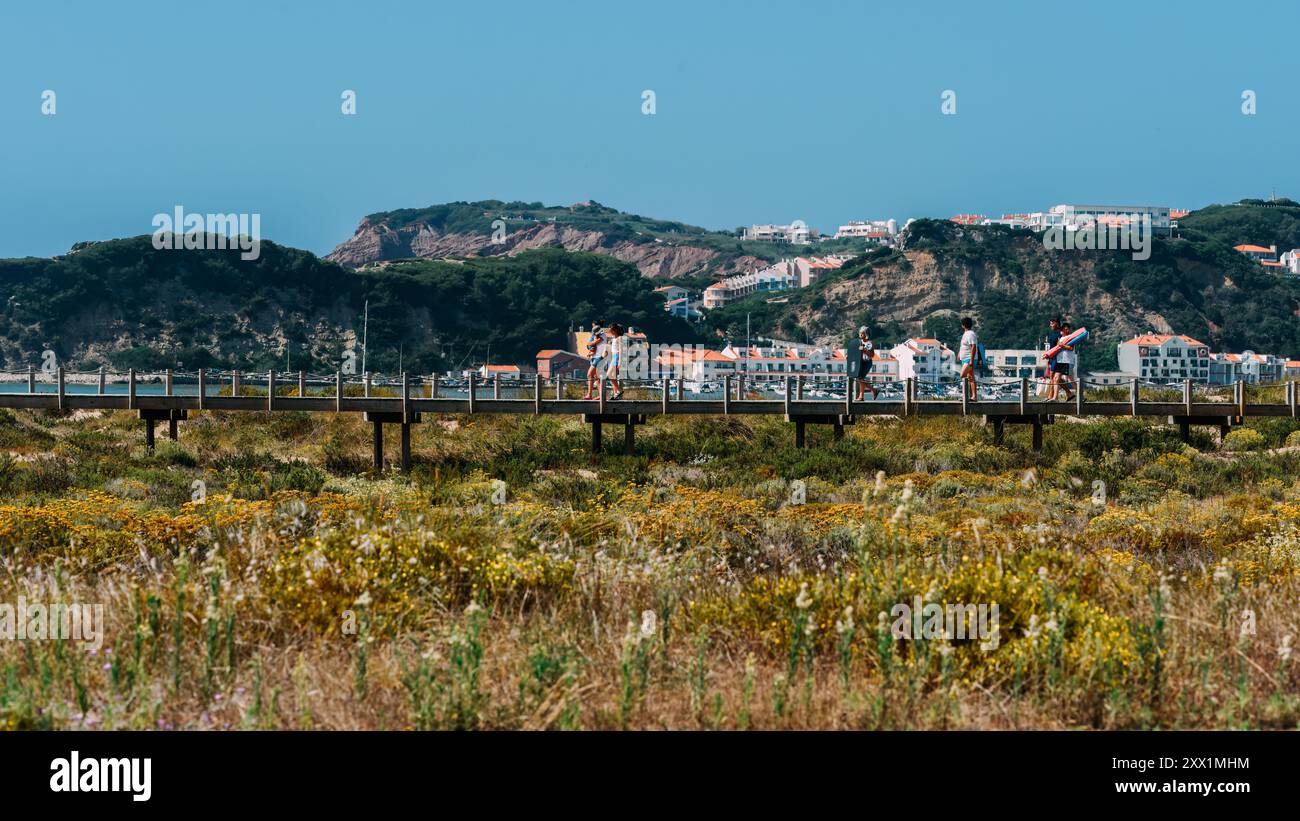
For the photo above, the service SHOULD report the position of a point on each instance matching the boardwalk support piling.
(629, 421)
(406, 447)
(1036, 421)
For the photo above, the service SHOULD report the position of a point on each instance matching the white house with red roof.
(503, 371)
(1264, 256)
(1165, 357)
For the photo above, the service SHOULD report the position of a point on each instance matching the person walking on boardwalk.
(597, 351)
(1053, 338)
(616, 338)
(1063, 367)
(967, 352)
(868, 355)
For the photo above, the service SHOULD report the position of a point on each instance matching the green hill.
(124, 304)
(1253, 222)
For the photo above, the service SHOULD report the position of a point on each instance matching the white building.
(796, 233)
(1247, 366)
(1291, 261)
(1015, 363)
(879, 231)
(925, 359)
(1110, 377)
(1165, 358)
(779, 277)
(799, 272)
(671, 292)
(1072, 216)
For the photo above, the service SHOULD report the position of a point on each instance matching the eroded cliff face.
(920, 285)
(378, 242)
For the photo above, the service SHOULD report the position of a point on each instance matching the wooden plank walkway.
(412, 403)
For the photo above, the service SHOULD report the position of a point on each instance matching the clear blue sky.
(821, 111)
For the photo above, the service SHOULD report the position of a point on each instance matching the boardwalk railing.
(801, 398)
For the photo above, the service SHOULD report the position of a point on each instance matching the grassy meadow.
(255, 574)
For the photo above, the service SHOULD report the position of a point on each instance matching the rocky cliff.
(377, 241)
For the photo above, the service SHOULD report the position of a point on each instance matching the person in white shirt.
(967, 353)
(615, 358)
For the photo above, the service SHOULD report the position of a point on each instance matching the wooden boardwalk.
(282, 392)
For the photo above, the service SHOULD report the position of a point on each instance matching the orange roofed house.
(1264, 256)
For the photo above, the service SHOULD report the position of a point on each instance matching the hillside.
(659, 248)
(1254, 222)
(124, 304)
(1011, 284)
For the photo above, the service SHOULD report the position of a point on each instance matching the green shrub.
(1293, 439)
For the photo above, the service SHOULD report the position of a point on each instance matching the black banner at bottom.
(338, 771)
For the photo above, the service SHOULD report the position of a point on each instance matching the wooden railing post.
(203, 387)
(1024, 395)
(726, 394)
(667, 386)
(60, 388)
(270, 388)
(338, 391)
(1133, 398)
(102, 380)
(537, 394)
(130, 389)
(302, 384)
(1187, 397)
(31, 379)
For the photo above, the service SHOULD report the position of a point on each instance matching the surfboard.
(1073, 338)
(853, 357)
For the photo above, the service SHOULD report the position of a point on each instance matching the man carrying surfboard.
(866, 351)
(1064, 363)
(1053, 340)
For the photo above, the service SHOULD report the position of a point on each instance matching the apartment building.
(1165, 357)
(926, 360)
(879, 231)
(1247, 366)
(779, 277)
(795, 233)
(1073, 215)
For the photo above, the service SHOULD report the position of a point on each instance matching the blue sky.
(821, 111)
